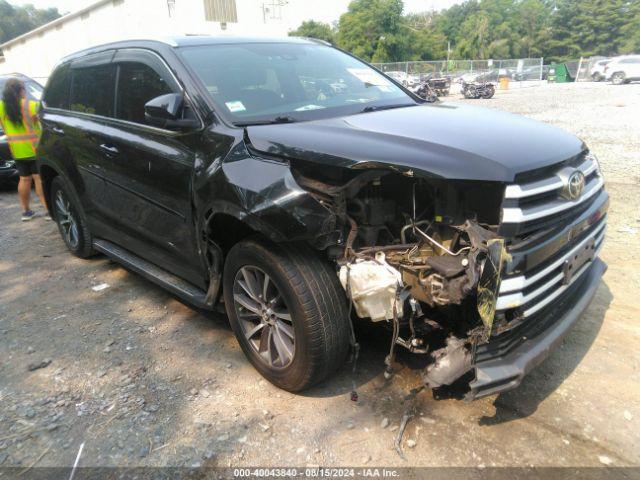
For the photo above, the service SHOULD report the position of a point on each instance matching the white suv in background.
(597, 72)
(623, 69)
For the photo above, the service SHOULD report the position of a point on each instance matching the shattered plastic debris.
(99, 288)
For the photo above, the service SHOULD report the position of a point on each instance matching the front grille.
(503, 343)
(534, 205)
(564, 237)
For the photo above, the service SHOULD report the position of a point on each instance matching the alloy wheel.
(264, 317)
(66, 220)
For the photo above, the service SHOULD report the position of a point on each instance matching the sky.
(322, 10)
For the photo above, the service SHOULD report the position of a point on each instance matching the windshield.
(285, 82)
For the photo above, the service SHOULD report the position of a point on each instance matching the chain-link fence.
(591, 69)
(516, 69)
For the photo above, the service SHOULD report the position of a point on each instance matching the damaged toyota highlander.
(302, 191)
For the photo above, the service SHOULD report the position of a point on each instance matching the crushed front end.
(483, 279)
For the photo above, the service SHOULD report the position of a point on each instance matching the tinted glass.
(58, 89)
(262, 81)
(92, 90)
(137, 84)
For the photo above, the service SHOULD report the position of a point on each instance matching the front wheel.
(488, 92)
(618, 78)
(288, 312)
(66, 209)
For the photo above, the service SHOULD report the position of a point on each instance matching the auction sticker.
(235, 106)
(368, 76)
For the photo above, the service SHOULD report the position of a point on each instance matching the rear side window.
(92, 90)
(57, 94)
(137, 84)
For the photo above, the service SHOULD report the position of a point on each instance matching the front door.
(148, 171)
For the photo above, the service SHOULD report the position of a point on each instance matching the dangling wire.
(354, 343)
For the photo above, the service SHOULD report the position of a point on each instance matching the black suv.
(8, 171)
(303, 190)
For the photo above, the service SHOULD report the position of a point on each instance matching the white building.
(36, 52)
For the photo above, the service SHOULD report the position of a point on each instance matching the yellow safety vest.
(23, 139)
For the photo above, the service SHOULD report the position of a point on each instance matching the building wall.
(37, 55)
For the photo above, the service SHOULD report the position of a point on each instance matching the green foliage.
(372, 29)
(378, 31)
(313, 29)
(16, 20)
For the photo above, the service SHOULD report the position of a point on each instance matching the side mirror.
(165, 112)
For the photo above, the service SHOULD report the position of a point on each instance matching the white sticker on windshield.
(366, 75)
(235, 106)
(309, 107)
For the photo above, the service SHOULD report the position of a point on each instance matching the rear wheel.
(71, 223)
(618, 78)
(287, 311)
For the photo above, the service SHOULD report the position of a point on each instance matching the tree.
(313, 29)
(373, 30)
(16, 20)
(424, 37)
(630, 31)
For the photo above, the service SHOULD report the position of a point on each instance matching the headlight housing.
(592, 157)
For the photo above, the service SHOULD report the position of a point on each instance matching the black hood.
(445, 141)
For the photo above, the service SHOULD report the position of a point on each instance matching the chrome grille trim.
(558, 291)
(549, 184)
(523, 281)
(521, 215)
(518, 299)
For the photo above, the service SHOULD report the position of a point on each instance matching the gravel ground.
(141, 379)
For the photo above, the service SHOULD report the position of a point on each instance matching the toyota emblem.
(575, 185)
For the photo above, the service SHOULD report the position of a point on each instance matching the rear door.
(79, 98)
(148, 170)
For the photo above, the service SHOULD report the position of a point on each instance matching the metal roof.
(54, 23)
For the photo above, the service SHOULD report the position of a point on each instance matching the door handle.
(57, 130)
(109, 149)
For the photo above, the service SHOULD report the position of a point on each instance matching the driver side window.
(137, 84)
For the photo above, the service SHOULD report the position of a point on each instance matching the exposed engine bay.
(421, 255)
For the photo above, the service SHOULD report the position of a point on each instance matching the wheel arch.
(47, 174)
(223, 227)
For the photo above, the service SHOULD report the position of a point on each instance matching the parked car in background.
(8, 172)
(623, 69)
(470, 234)
(597, 72)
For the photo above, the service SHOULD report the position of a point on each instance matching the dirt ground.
(142, 379)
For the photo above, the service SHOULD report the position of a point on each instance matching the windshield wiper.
(375, 108)
(270, 121)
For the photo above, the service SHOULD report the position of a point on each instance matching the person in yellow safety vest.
(19, 120)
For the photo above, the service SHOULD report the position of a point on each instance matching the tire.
(488, 92)
(618, 78)
(316, 304)
(66, 210)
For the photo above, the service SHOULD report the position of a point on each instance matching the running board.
(176, 285)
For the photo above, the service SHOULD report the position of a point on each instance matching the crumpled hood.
(447, 141)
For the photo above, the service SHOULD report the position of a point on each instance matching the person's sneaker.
(28, 215)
